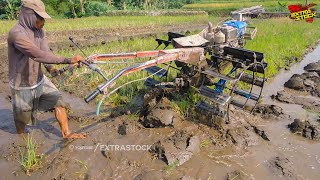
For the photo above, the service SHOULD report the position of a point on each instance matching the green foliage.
(51, 11)
(283, 6)
(224, 7)
(167, 4)
(9, 9)
(78, 8)
(95, 8)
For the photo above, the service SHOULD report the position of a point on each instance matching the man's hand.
(76, 59)
(54, 72)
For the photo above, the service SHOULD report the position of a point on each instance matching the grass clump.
(29, 159)
(184, 103)
(172, 167)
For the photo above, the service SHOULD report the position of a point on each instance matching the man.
(27, 51)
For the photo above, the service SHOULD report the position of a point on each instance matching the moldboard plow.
(213, 62)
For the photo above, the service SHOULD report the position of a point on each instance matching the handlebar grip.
(92, 96)
(54, 74)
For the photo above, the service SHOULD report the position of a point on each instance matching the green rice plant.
(171, 167)
(184, 103)
(133, 116)
(118, 100)
(205, 143)
(29, 159)
(182, 107)
(283, 41)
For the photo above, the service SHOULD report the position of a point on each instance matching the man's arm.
(45, 47)
(23, 44)
(48, 67)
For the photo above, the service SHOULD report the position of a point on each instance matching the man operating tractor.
(31, 90)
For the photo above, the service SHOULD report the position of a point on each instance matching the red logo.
(298, 12)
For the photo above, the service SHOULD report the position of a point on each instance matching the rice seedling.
(29, 159)
(172, 167)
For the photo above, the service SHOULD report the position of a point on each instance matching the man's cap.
(37, 6)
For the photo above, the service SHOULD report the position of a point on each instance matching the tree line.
(9, 9)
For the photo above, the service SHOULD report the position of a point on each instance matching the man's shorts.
(27, 102)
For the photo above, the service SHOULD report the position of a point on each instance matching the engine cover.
(230, 32)
(239, 25)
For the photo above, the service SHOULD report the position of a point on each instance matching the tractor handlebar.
(92, 96)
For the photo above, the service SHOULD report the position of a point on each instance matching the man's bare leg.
(20, 127)
(61, 115)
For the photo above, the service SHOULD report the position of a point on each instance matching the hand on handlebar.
(76, 59)
(54, 71)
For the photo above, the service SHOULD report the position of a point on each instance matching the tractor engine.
(231, 33)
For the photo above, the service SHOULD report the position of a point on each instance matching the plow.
(212, 62)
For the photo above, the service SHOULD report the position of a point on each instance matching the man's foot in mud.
(75, 136)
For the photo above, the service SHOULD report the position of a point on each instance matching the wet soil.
(249, 147)
(169, 146)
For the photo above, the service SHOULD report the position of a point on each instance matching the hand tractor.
(213, 62)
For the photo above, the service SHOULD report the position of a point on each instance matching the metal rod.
(72, 40)
(93, 68)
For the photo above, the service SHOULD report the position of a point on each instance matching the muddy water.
(276, 84)
(299, 157)
(6, 131)
(46, 134)
(304, 154)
